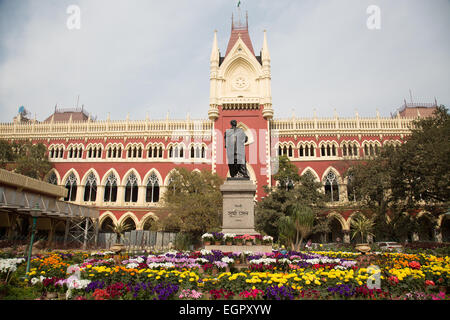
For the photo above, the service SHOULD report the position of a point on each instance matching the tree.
(194, 201)
(25, 158)
(363, 226)
(404, 179)
(303, 218)
(120, 229)
(6, 153)
(32, 161)
(291, 190)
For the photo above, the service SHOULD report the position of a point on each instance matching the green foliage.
(412, 176)
(183, 241)
(363, 226)
(194, 201)
(303, 219)
(27, 158)
(291, 191)
(6, 153)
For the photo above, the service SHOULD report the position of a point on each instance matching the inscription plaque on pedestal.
(238, 206)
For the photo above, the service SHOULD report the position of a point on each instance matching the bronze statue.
(235, 139)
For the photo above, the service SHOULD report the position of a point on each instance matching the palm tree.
(303, 218)
(362, 226)
(120, 229)
(287, 230)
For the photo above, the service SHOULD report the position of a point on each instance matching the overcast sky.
(139, 56)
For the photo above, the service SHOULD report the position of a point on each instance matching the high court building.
(124, 167)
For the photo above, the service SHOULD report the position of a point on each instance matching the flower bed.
(214, 274)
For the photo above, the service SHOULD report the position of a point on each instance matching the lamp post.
(35, 213)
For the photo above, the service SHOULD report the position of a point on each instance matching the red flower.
(414, 265)
(429, 283)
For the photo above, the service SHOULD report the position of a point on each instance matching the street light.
(35, 213)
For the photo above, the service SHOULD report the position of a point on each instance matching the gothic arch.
(335, 171)
(128, 173)
(166, 181)
(71, 170)
(152, 170)
(58, 177)
(106, 175)
(127, 215)
(313, 172)
(145, 218)
(107, 214)
(83, 181)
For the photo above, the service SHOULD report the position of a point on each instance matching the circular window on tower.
(240, 83)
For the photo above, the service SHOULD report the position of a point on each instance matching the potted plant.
(258, 239)
(218, 237)
(362, 226)
(228, 238)
(207, 238)
(267, 240)
(248, 239)
(238, 240)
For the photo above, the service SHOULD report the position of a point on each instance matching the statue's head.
(233, 123)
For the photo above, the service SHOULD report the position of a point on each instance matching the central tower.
(240, 89)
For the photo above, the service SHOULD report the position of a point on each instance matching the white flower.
(265, 261)
(34, 281)
(284, 260)
(267, 238)
(10, 265)
(229, 235)
(201, 260)
(227, 260)
(132, 265)
(205, 252)
(207, 235)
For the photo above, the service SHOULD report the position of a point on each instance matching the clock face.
(240, 83)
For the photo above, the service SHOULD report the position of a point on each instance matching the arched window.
(311, 151)
(90, 189)
(171, 152)
(52, 179)
(192, 152)
(300, 151)
(203, 153)
(323, 151)
(111, 189)
(331, 187)
(152, 192)
(160, 152)
(71, 186)
(131, 189)
(290, 151)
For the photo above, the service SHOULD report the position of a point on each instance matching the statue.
(235, 140)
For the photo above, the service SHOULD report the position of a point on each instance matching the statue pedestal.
(238, 206)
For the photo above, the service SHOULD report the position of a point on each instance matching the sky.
(142, 57)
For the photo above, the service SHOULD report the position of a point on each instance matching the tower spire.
(215, 49)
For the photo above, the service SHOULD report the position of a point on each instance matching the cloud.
(143, 57)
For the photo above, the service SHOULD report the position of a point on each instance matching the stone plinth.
(238, 206)
(241, 248)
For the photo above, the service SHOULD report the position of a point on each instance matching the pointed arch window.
(331, 187)
(90, 188)
(71, 186)
(110, 189)
(131, 189)
(152, 191)
(52, 179)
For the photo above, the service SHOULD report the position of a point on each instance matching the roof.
(63, 115)
(412, 112)
(235, 34)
